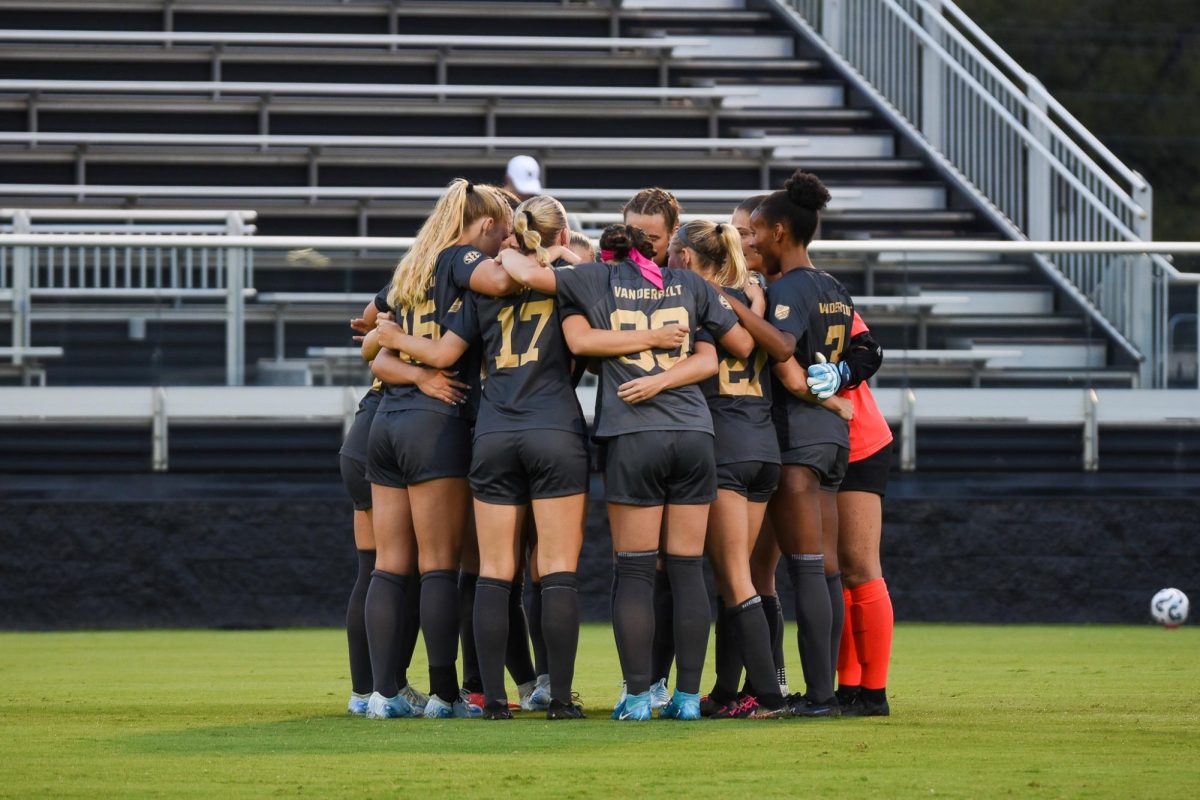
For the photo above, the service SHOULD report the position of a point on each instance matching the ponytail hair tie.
(470, 188)
(528, 218)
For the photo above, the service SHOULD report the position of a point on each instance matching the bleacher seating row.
(249, 107)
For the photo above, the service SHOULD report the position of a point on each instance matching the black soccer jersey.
(739, 397)
(527, 362)
(451, 277)
(619, 298)
(815, 308)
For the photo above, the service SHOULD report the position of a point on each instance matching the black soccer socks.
(383, 612)
(749, 626)
(664, 623)
(813, 620)
(356, 626)
(466, 620)
(837, 616)
(491, 635)
(691, 619)
(729, 659)
(533, 615)
(439, 623)
(633, 617)
(516, 654)
(560, 626)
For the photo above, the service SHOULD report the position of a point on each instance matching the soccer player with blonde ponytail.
(419, 449)
(747, 462)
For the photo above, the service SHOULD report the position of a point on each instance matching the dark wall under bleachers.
(214, 551)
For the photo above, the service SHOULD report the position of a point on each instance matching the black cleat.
(801, 706)
(497, 711)
(708, 706)
(862, 707)
(561, 710)
(846, 695)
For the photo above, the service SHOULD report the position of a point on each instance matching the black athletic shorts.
(827, 460)
(354, 478)
(754, 480)
(415, 446)
(869, 474)
(513, 467)
(654, 468)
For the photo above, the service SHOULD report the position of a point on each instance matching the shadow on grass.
(346, 735)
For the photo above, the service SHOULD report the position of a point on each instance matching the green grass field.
(977, 712)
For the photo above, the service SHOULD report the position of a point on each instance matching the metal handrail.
(1002, 144)
(1076, 128)
(764, 143)
(377, 89)
(434, 41)
(217, 261)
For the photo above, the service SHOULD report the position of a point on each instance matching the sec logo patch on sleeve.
(782, 312)
(724, 303)
(472, 257)
(455, 306)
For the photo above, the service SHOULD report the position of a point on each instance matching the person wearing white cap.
(524, 177)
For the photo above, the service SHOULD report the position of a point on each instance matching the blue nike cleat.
(634, 708)
(683, 706)
(380, 707)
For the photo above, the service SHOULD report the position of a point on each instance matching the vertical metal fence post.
(1143, 195)
(349, 409)
(908, 431)
(22, 264)
(1091, 432)
(158, 431)
(235, 307)
(932, 100)
(1037, 169)
(833, 26)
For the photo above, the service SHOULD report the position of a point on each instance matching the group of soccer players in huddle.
(732, 421)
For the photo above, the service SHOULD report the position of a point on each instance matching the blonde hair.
(537, 221)
(460, 206)
(583, 246)
(719, 248)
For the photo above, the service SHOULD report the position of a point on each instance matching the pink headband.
(650, 271)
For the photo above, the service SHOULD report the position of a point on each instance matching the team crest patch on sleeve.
(724, 303)
(472, 257)
(455, 306)
(782, 312)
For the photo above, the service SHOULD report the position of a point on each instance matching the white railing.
(126, 255)
(19, 252)
(908, 410)
(994, 127)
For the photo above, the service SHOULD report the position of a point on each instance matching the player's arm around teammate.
(420, 447)
(747, 466)
(814, 308)
(660, 459)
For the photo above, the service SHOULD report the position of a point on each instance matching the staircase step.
(808, 95)
(1047, 353)
(1001, 300)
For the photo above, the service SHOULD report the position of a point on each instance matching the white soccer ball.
(1169, 607)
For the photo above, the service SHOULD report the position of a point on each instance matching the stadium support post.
(235, 307)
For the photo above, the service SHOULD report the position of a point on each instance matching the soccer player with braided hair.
(813, 315)
(660, 466)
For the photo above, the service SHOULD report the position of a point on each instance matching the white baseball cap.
(525, 174)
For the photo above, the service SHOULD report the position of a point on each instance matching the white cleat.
(535, 695)
(358, 704)
(380, 707)
(437, 708)
(659, 696)
(417, 699)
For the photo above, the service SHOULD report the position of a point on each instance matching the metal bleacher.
(345, 118)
